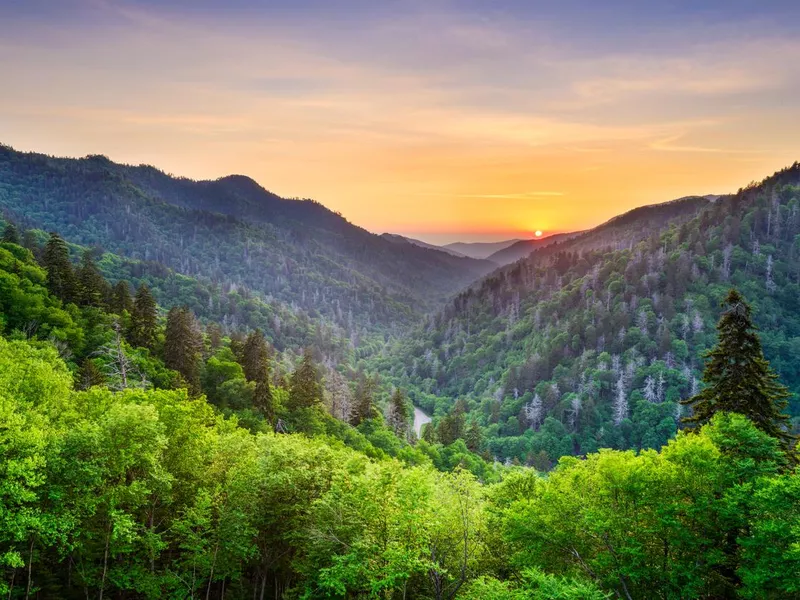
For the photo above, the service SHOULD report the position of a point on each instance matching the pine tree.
(474, 438)
(305, 389)
(143, 319)
(214, 332)
(11, 234)
(255, 364)
(89, 375)
(92, 286)
(738, 378)
(363, 408)
(398, 413)
(183, 343)
(264, 401)
(121, 298)
(255, 356)
(60, 275)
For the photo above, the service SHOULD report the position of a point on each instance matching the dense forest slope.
(590, 343)
(234, 234)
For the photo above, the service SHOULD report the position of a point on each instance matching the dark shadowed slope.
(235, 234)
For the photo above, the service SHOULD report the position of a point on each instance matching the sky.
(440, 119)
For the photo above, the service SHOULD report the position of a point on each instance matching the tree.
(305, 389)
(620, 402)
(398, 413)
(11, 234)
(182, 345)
(363, 408)
(121, 298)
(474, 437)
(60, 275)
(255, 365)
(119, 370)
(738, 378)
(255, 356)
(264, 401)
(338, 395)
(92, 287)
(88, 375)
(143, 319)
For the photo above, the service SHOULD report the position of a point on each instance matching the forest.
(164, 434)
(593, 342)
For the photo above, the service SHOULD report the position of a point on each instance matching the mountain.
(233, 234)
(590, 342)
(479, 249)
(393, 237)
(523, 248)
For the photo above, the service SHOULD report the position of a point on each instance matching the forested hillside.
(142, 457)
(233, 235)
(590, 343)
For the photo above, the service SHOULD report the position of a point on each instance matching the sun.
(537, 233)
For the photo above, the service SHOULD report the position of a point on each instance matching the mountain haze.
(393, 237)
(479, 249)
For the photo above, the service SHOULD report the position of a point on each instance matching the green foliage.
(605, 333)
(738, 378)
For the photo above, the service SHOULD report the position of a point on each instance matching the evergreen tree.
(398, 413)
(305, 389)
(363, 401)
(473, 437)
(121, 298)
(92, 286)
(214, 332)
(60, 275)
(738, 378)
(263, 400)
(143, 319)
(255, 364)
(255, 356)
(11, 234)
(183, 343)
(89, 375)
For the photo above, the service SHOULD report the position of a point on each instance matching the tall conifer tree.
(305, 389)
(363, 400)
(121, 298)
(144, 319)
(60, 275)
(11, 234)
(92, 286)
(255, 364)
(738, 378)
(183, 343)
(398, 413)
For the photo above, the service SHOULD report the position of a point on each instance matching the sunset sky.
(446, 120)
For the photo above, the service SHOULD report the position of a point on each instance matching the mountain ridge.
(234, 233)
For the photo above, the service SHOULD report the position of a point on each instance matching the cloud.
(429, 109)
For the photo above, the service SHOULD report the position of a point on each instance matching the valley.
(210, 390)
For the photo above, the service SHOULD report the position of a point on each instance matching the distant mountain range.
(396, 238)
(480, 249)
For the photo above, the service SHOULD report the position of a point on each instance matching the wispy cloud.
(427, 111)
